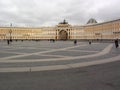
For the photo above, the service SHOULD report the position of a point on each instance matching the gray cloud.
(50, 12)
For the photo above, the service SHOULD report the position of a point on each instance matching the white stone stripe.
(60, 67)
(101, 61)
(82, 51)
(54, 55)
(103, 52)
(54, 50)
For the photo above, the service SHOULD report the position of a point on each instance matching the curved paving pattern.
(39, 56)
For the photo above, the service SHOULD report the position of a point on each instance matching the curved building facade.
(65, 31)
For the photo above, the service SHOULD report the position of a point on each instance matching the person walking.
(116, 43)
(75, 42)
(8, 42)
(89, 42)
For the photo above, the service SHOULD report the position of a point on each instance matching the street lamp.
(10, 32)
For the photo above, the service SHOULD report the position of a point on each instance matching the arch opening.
(63, 35)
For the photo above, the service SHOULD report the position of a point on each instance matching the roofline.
(68, 24)
(102, 22)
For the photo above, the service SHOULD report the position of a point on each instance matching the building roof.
(63, 24)
(91, 21)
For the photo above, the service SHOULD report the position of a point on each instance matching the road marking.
(54, 55)
(60, 67)
(37, 53)
(81, 51)
(103, 52)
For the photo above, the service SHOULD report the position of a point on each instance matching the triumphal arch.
(63, 30)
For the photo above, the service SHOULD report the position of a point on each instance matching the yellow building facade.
(64, 31)
(105, 30)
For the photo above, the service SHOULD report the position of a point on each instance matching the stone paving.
(44, 55)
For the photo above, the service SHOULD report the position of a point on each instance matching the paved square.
(44, 55)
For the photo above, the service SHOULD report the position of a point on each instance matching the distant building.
(65, 31)
(92, 21)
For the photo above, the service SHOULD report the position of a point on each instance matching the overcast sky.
(50, 12)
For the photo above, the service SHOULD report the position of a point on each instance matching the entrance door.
(63, 35)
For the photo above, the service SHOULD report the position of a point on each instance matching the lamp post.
(10, 32)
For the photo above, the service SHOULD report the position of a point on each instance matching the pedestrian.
(75, 42)
(8, 42)
(116, 43)
(89, 42)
